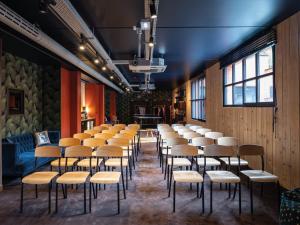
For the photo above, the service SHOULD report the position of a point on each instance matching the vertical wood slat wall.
(254, 125)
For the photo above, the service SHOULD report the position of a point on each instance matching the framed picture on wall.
(15, 101)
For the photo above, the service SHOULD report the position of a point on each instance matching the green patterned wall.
(41, 96)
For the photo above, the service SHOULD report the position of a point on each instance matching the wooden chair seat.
(187, 177)
(116, 162)
(106, 177)
(77, 177)
(44, 177)
(260, 176)
(86, 163)
(209, 162)
(222, 176)
(71, 162)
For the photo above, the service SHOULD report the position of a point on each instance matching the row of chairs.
(186, 146)
(85, 155)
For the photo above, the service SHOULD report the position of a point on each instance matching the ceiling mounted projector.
(146, 66)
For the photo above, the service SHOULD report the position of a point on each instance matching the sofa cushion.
(25, 141)
(41, 138)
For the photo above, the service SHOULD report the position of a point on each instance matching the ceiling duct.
(66, 12)
(18, 23)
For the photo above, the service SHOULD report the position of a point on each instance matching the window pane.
(250, 66)
(228, 95)
(250, 91)
(238, 71)
(238, 94)
(265, 61)
(228, 74)
(265, 89)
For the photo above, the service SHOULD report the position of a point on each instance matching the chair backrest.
(191, 134)
(100, 128)
(81, 136)
(78, 151)
(183, 130)
(127, 136)
(66, 142)
(188, 125)
(176, 128)
(213, 135)
(130, 131)
(219, 151)
(47, 152)
(195, 127)
(227, 141)
(106, 125)
(120, 126)
(184, 150)
(202, 141)
(251, 150)
(176, 125)
(133, 126)
(169, 135)
(119, 142)
(110, 131)
(94, 142)
(202, 131)
(176, 141)
(109, 151)
(104, 136)
(91, 132)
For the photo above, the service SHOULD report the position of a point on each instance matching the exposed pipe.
(65, 10)
(139, 32)
(21, 25)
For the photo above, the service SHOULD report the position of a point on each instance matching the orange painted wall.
(70, 102)
(113, 104)
(94, 101)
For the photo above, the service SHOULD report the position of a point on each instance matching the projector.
(146, 66)
(144, 87)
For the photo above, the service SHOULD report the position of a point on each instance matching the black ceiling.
(190, 33)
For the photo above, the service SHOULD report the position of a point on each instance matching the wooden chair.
(104, 136)
(202, 131)
(187, 176)
(195, 127)
(74, 177)
(213, 135)
(136, 128)
(100, 128)
(183, 130)
(120, 126)
(221, 176)
(257, 176)
(200, 143)
(42, 177)
(81, 136)
(110, 131)
(108, 177)
(63, 143)
(91, 132)
(190, 135)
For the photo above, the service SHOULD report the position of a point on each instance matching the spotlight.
(81, 47)
(151, 42)
(44, 4)
(103, 68)
(82, 42)
(153, 11)
(120, 83)
(111, 77)
(145, 24)
(96, 60)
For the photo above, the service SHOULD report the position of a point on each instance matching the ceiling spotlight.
(44, 4)
(104, 68)
(145, 24)
(153, 11)
(151, 42)
(111, 77)
(120, 83)
(82, 42)
(96, 60)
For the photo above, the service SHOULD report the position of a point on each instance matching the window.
(250, 81)
(198, 99)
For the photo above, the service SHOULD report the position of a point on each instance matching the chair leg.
(126, 177)
(49, 197)
(197, 190)
(90, 196)
(251, 197)
(229, 190)
(123, 184)
(202, 194)
(56, 197)
(130, 169)
(36, 191)
(118, 193)
(279, 195)
(174, 195)
(162, 163)
(84, 197)
(211, 198)
(234, 191)
(22, 196)
(170, 182)
(168, 176)
(261, 189)
(240, 198)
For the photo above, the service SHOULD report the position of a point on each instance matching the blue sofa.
(18, 154)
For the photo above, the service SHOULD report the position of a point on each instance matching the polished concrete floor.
(146, 203)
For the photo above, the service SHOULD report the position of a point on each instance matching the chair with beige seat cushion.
(201, 142)
(124, 143)
(213, 135)
(100, 128)
(93, 143)
(195, 127)
(132, 149)
(82, 136)
(183, 130)
(231, 141)
(42, 177)
(190, 135)
(91, 132)
(66, 142)
(203, 130)
(256, 176)
(120, 126)
(108, 177)
(104, 136)
(187, 176)
(74, 177)
(110, 131)
(221, 176)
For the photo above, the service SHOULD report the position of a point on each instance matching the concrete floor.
(146, 203)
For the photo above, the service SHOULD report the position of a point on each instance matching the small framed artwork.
(15, 101)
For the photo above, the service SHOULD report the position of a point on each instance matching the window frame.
(244, 81)
(199, 100)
